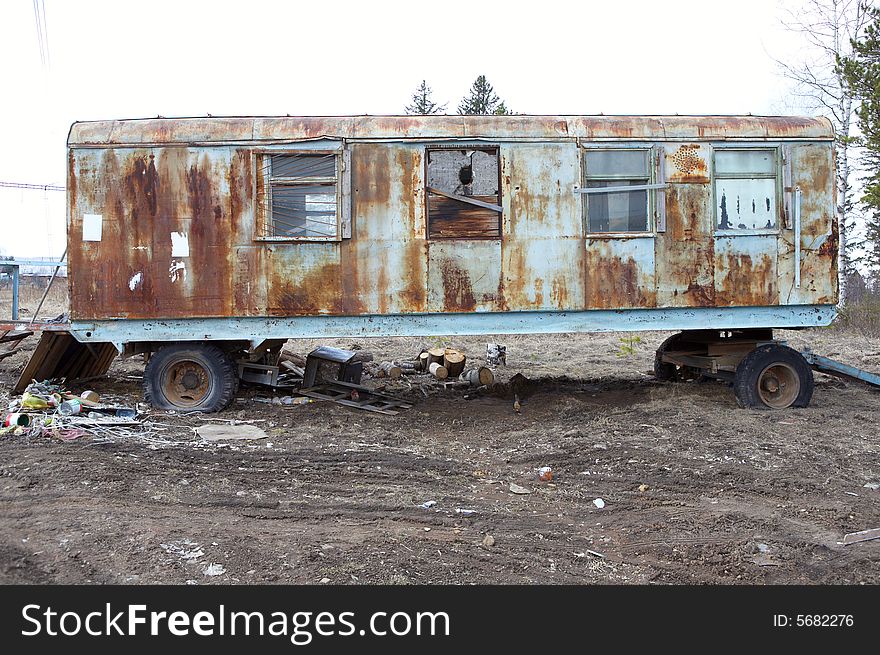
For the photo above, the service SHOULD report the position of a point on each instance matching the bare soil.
(695, 489)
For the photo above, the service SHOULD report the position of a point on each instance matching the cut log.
(454, 362)
(480, 377)
(435, 355)
(423, 362)
(408, 366)
(390, 370)
(295, 358)
(361, 356)
(438, 371)
(293, 368)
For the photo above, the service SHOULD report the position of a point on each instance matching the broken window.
(745, 189)
(463, 199)
(617, 211)
(299, 196)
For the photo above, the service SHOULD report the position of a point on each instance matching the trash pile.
(48, 409)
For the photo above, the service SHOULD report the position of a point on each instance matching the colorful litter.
(47, 409)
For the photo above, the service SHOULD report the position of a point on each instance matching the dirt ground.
(695, 490)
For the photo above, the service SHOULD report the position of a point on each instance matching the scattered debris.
(872, 485)
(545, 474)
(185, 549)
(488, 541)
(599, 503)
(465, 512)
(864, 535)
(517, 489)
(763, 559)
(214, 569)
(428, 504)
(212, 432)
(48, 409)
(643, 488)
(496, 354)
(590, 552)
(354, 395)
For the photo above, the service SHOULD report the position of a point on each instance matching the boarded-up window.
(745, 189)
(463, 199)
(299, 196)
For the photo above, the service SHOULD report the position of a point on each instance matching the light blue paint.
(256, 329)
(827, 365)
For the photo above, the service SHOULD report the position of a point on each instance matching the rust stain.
(688, 166)
(616, 282)
(747, 283)
(458, 294)
(317, 293)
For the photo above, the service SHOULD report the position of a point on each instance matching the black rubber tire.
(663, 371)
(222, 377)
(749, 371)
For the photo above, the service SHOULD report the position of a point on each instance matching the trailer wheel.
(199, 378)
(773, 376)
(664, 371)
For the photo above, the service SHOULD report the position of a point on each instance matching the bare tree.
(828, 29)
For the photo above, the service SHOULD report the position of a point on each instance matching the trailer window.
(463, 199)
(745, 189)
(299, 196)
(613, 211)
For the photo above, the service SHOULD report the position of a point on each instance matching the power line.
(41, 187)
(42, 31)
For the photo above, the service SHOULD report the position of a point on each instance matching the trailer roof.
(297, 128)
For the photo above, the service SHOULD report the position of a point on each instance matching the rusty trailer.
(204, 242)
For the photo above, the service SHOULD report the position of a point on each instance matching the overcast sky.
(186, 58)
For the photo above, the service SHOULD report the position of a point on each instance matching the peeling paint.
(181, 226)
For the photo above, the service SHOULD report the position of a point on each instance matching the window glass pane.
(745, 204)
(616, 162)
(744, 161)
(617, 212)
(304, 210)
(303, 166)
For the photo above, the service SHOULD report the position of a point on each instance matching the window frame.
(441, 147)
(775, 175)
(651, 201)
(264, 180)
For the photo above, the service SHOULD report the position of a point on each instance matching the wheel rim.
(186, 383)
(779, 385)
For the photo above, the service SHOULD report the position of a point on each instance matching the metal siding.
(143, 195)
(745, 270)
(543, 261)
(813, 171)
(464, 276)
(194, 131)
(620, 273)
(684, 253)
(542, 227)
(388, 249)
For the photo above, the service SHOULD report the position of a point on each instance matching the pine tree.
(862, 74)
(422, 102)
(482, 100)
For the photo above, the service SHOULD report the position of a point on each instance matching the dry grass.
(861, 316)
(29, 293)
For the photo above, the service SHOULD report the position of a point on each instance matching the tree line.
(481, 100)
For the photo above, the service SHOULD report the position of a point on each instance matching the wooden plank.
(467, 199)
(15, 335)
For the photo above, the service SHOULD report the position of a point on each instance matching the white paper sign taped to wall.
(92, 224)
